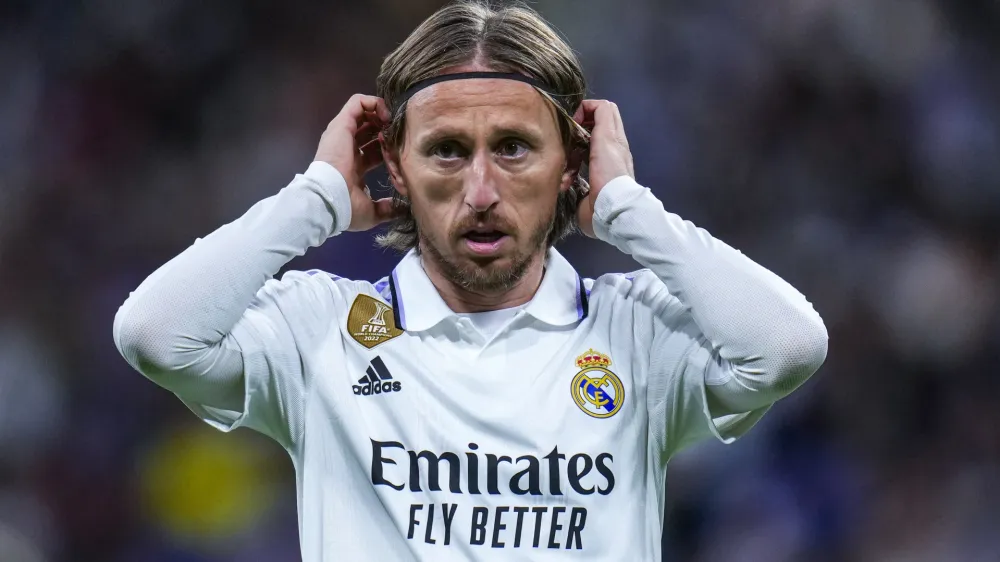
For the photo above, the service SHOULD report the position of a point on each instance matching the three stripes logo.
(377, 380)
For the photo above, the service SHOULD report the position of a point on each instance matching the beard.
(488, 277)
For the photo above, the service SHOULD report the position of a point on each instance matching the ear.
(392, 163)
(575, 158)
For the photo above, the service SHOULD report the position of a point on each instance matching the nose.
(481, 191)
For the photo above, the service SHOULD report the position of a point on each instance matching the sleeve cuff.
(335, 188)
(614, 198)
(257, 392)
(227, 420)
(730, 427)
(686, 412)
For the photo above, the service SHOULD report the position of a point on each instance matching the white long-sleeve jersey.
(415, 436)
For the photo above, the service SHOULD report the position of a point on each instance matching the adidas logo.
(377, 381)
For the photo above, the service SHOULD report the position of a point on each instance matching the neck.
(460, 299)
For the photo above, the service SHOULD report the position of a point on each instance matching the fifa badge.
(370, 322)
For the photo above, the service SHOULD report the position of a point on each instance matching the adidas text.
(377, 380)
(377, 388)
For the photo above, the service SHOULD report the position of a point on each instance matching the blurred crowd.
(851, 146)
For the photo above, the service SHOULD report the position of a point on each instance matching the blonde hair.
(512, 38)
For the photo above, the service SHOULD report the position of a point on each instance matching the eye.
(513, 148)
(447, 150)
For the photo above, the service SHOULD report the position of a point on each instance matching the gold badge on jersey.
(370, 321)
(595, 389)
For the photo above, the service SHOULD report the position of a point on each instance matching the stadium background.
(852, 146)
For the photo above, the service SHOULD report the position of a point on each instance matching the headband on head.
(427, 82)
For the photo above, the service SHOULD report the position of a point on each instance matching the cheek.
(430, 186)
(441, 192)
(436, 206)
(537, 190)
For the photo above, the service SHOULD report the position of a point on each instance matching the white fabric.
(179, 326)
(490, 322)
(702, 343)
(753, 337)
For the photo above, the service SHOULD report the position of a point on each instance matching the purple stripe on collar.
(579, 300)
(312, 272)
(397, 302)
(584, 298)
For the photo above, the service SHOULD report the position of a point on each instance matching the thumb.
(368, 214)
(385, 209)
(585, 216)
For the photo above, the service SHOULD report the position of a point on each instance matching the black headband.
(420, 85)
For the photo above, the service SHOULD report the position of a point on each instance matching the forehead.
(472, 103)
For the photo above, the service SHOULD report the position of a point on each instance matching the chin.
(489, 274)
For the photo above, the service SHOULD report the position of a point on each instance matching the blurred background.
(851, 146)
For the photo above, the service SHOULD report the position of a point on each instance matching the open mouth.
(485, 237)
(484, 240)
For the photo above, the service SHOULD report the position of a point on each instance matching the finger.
(376, 105)
(376, 109)
(617, 115)
(372, 117)
(589, 109)
(352, 115)
(366, 133)
(619, 125)
(386, 210)
(602, 115)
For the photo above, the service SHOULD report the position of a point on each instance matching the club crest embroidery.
(595, 389)
(370, 322)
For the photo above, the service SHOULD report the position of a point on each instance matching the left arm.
(766, 334)
(764, 337)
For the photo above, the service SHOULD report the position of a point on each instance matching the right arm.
(176, 327)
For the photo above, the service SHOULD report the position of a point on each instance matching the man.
(482, 401)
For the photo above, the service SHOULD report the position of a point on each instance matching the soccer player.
(481, 401)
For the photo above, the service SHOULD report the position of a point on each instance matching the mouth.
(485, 241)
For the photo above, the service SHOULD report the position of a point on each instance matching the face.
(482, 163)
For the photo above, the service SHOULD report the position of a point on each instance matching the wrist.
(334, 189)
(613, 198)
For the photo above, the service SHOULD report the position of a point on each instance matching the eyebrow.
(444, 132)
(530, 134)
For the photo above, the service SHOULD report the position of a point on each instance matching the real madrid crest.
(595, 389)
(370, 322)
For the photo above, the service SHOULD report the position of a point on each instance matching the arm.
(765, 336)
(179, 327)
(175, 327)
(728, 337)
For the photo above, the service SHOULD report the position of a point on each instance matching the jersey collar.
(561, 298)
